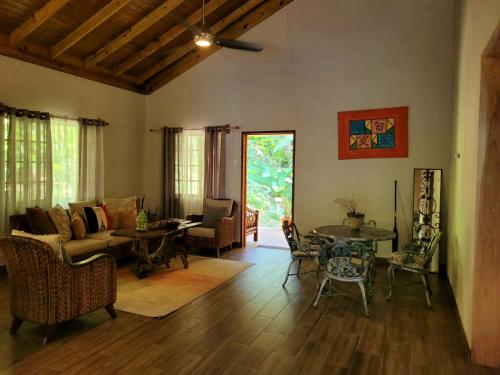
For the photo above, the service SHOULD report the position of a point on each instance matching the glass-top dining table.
(366, 233)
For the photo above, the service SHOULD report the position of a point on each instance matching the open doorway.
(268, 163)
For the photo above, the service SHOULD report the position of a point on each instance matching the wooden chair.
(217, 238)
(47, 291)
(301, 248)
(415, 257)
(252, 223)
(346, 262)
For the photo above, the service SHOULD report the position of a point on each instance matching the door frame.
(244, 142)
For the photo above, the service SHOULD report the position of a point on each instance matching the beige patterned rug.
(169, 289)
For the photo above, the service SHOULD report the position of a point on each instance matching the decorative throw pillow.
(39, 221)
(78, 226)
(122, 213)
(62, 222)
(212, 215)
(96, 219)
(226, 203)
(79, 206)
(52, 240)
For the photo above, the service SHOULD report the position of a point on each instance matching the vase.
(142, 221)
(355, 220)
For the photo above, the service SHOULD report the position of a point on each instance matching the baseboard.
(236, 245)
(443, 272)
(3, 270)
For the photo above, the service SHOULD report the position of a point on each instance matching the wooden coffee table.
(171, 245)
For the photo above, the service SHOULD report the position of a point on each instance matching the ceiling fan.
(204, 38)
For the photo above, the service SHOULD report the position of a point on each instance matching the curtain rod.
(198, 128)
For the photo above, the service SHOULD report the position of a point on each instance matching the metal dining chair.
(415, 257)
(336, 256)
(301, 248)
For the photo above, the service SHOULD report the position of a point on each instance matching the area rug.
(169, 289)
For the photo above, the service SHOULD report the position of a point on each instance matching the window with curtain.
(26, 162)
(189, 165)
(65, 159)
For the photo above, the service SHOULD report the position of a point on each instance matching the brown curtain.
(215, 161)
(170, 203)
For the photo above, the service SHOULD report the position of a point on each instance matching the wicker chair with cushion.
(45, 290)
(415, 257)
(217, 231)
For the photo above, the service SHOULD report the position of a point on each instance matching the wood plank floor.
(251, 325)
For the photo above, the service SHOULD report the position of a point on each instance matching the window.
(189, 175)
(65, 138)
(189, 163)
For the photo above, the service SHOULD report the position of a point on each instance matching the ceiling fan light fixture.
(203, 40)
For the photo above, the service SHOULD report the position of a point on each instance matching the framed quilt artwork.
(373, 133)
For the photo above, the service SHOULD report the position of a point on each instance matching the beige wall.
(322, 57)
(29, 86)
(476, 22)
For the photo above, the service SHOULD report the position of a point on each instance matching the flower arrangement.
(354, 218)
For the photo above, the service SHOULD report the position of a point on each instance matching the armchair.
(214, 237)
(47, 291)
(415, 257)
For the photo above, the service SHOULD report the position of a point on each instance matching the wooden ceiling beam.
(32, 23)
(88, 26)
(132, 32)
(167, 37)
(181, 52)
(237, 29)
(40, 55)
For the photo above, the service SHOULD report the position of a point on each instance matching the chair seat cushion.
(110, 240)
(201, 232)
(88, 245)
(302, 253)
(407, 259)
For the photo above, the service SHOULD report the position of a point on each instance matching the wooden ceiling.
(138, 45)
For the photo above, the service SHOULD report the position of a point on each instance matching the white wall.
(25, 85)
(476, 22)
(322, 57)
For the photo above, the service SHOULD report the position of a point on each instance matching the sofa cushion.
(226, 203)
(78, 207)
(62, 222)
(213, 214)
(201, 232)
(78, 247)
(39, 221)
(122, 213)
(78, 226)
(96, 218)
(110, 240)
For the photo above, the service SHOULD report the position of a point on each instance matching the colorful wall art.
(373, 133)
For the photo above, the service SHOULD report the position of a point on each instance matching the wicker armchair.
(47, 291)
(213, 238)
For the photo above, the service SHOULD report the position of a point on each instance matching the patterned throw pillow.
(78, 226)
(96, 219)
(122, 213)
(79, 206)
(62, 222)
(52, 240)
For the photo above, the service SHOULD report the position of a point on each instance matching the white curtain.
(26, 168)
(91, 185)
(190, 171)
(65, 136)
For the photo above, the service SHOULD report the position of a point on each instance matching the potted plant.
(287, 217)
(354, 218)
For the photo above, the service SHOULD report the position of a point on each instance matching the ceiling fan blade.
(238, 44)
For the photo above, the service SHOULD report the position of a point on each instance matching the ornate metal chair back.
(431, 246)
(292, 235)
(337, 258)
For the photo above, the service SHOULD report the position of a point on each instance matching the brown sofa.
(95, 243)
